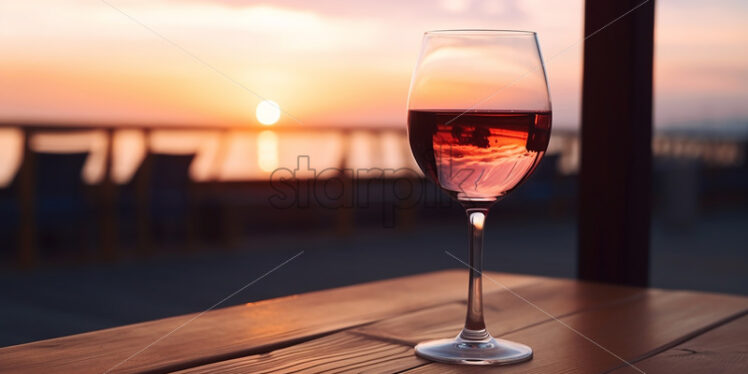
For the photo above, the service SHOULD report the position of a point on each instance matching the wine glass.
(479, 121)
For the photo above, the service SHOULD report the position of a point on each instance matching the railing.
(99, 171)
(387, 148)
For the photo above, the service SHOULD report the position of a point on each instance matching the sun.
(268, 112)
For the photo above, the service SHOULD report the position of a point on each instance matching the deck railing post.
(108, 203)
(616, 159)
(345, 217)
(27, 250)
(143, 199)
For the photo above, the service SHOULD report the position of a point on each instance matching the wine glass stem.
(475, 327)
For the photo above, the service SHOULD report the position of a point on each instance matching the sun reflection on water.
(267, 151)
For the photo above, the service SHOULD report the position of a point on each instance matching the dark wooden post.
(345, 217)
(192, 223)
(616, 161)
(143, 199)
(230, 229)
(27, 251)
(108, 204)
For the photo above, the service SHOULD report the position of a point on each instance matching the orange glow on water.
(267, 151)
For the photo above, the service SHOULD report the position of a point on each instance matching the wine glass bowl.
(478, 155)
(479, 122)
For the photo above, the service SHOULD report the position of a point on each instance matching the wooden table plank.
(630, 330)
(723, 349)
(340, 352)
(633, 323)
(239, 331)
(630, 327)
(504, 312)
(386, 346)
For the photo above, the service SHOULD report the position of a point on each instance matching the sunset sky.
(325, 62)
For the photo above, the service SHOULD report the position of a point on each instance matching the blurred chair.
(62, 205)
(159, 202)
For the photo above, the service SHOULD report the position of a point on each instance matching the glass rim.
(479, 32)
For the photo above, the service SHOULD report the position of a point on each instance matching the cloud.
(455, 6)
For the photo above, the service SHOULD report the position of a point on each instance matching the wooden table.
(372, 328)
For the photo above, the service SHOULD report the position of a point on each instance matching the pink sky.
(325, 63)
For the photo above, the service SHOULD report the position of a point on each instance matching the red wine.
(478, 156)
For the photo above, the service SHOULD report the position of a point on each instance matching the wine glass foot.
(488, 351)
